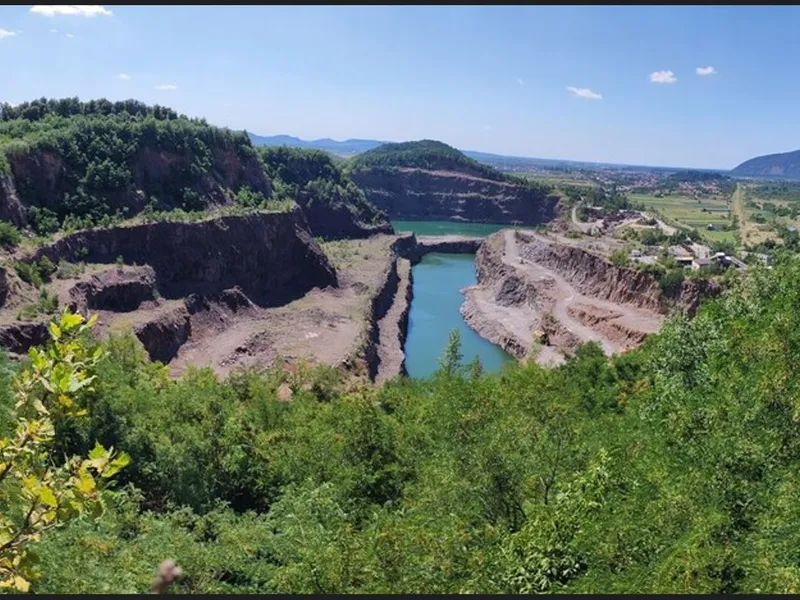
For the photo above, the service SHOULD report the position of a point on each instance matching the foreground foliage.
(672, 468)
(35, 494)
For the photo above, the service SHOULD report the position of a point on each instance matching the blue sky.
(487, 78)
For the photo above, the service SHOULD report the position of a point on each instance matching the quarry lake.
(434, 313)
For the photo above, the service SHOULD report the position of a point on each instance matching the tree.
(35, 494)
(451, 358)
(475, 368)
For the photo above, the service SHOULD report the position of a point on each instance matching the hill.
(785, 165)
(334, 205)
(429, 180)
(352, 147)
(424, 154)
(71, 164)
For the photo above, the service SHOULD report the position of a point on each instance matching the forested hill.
(783, 165)
(71, 164)
(425, 154)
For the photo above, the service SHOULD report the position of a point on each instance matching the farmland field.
(688, 211)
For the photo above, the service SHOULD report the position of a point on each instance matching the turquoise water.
(435, 312)
(448, 228)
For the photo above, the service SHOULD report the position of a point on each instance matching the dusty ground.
(324, 326)
(553, 306)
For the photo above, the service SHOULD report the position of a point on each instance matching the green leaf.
(70, 320)
(55, 330)
(47, 496)
(119, 463)
(98, 451)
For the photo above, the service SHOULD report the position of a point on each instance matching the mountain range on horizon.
(351, 147)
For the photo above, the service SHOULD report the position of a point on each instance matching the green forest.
(427, 154)
(315, 181)
(670, 468)
(80, 164)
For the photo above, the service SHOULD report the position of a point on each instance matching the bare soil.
(560, 310)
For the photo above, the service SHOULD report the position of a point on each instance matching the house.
(685, 261)
(699, 263)
(699, 250)
(678, 251)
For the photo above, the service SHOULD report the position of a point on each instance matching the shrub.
(670, 282)
(620, 258)
(9, 235)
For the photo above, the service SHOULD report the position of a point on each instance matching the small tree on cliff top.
(35, 494)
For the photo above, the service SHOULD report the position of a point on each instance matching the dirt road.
(565, 295)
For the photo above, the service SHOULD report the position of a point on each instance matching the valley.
(407, 352)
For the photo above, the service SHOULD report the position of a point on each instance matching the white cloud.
(123, 76)
(519, 81)
(663, 77)
(54, 31)
(706, 70)
(84, 10)
(585, 93)
(167, 87)
(69, 36)
(4, 33)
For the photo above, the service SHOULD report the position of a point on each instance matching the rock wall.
(379, 306)
(17, 338)
(271, 256)
(118, 290)
(596, 276)
(418, 194)
(339, 222)
(413, 248)
(42, 177)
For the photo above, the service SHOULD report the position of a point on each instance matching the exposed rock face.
(418, 194)
(414, 248)
(117, 290)
(271, 256)
(42, 177)
(338, 221)
(596, 276)
(380, 305)
(3, 286)
(539, 293)
(19, 337)
(11, 208)
(163, 337)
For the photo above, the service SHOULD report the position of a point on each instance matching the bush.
(35, 273)
(670, 283)
(9, 235)
(621, 258)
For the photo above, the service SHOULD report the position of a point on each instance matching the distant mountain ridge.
(351, 146)
(358, 146)
(785, 165)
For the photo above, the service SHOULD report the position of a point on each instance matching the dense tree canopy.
(313, 179)
(77, 164)
(671, 468)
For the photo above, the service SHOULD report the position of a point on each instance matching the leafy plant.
(36, 494)
(9, 235)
